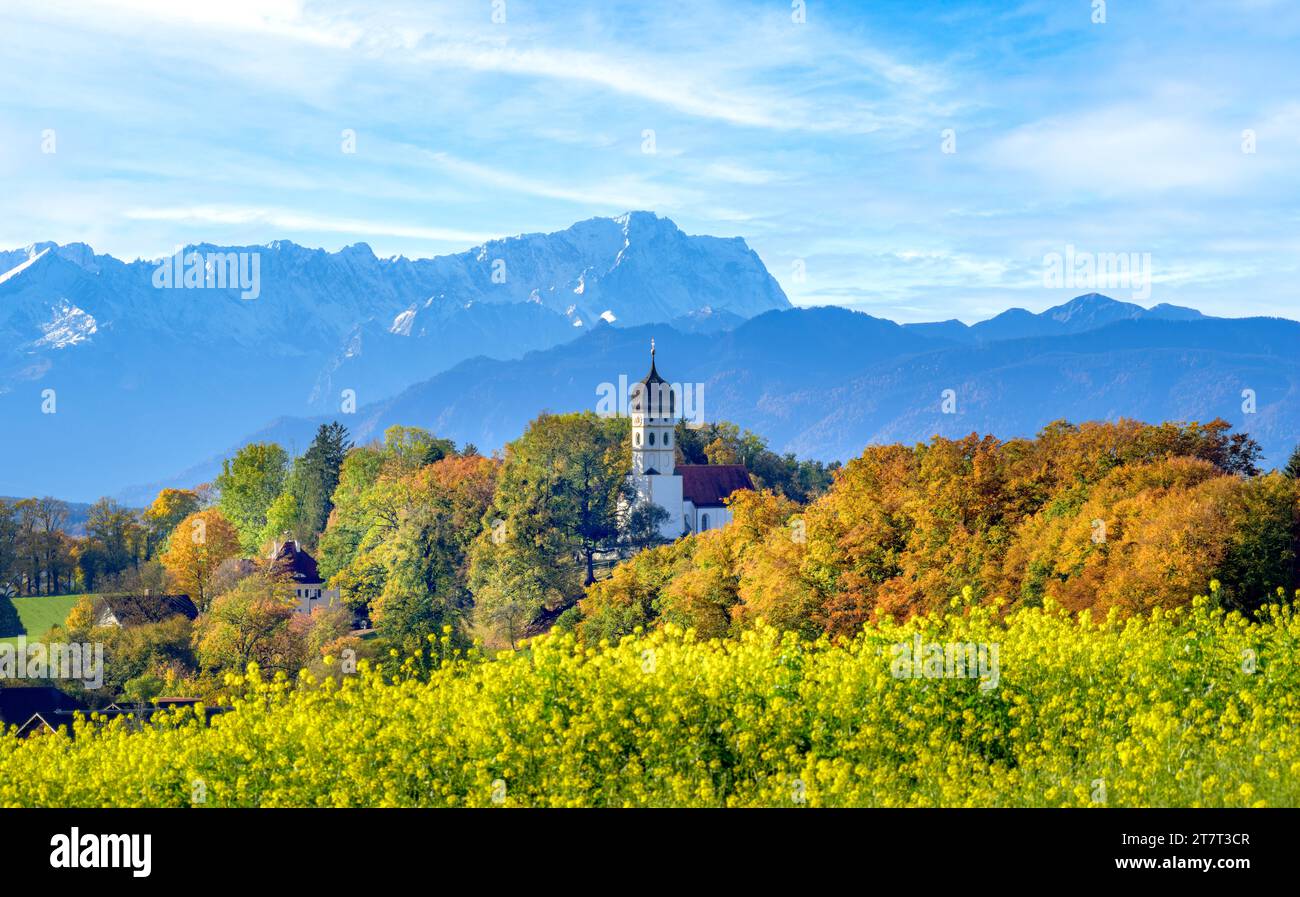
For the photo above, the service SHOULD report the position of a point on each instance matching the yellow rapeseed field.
(1192, 708)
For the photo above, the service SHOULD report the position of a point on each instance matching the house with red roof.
(290, 560)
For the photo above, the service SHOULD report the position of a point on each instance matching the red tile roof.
(707, 485)
(295, 563)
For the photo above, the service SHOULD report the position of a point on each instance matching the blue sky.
(821, 142)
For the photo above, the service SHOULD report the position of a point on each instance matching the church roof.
(651, 389)
(708, 485)
(653, 376)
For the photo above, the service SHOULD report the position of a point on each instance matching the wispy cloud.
(297, 221)
(626, 193)
(818, 142)
(1120, 150)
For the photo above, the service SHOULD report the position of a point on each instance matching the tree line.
(1120, 517)
(39, 555)
(435, 544)
(423, 539)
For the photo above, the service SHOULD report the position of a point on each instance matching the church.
(694, 495)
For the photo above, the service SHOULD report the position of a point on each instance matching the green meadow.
(33, 616)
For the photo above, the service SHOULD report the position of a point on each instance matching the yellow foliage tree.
(168, 509)
(198, 546)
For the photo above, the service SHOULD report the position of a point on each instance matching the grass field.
(34, 615)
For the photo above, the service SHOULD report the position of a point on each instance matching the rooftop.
(292, 561)
(708, 485)
(135, 610)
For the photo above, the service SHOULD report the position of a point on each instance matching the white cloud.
(290, 220)
(275, 18)
(1123, 150)
(736, 81)
(735, 173)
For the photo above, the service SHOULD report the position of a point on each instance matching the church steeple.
(654, 395)
(653, 408)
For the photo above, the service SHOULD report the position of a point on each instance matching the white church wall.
(708, 518)
(666, 492)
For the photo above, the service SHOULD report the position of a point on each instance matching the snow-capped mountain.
(635, 269)
(151, 359)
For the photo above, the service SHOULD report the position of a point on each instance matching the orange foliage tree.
(1120, 515)
(197, 547)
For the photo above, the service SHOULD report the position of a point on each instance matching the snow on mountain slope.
(635, 269)
(147, 370)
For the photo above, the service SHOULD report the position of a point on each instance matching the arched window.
(668, 439)
(652, 437)
(704, 522)
(638, 439)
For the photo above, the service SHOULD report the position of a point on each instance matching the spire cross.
(652, 347)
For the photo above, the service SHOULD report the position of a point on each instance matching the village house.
(137, 610)
(37, 710)
(290, 560)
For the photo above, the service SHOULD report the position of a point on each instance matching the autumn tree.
(44, 550)
(699, 582)
(407, 449)
(116, 540)
(563, 483)
(423, 558)
(10, 567)
(1098, 516)
(253, 622)
(632, 595)
(169, 508)
(360, 499)
(351, 519)
(1262, 554)
(303, 507)
(199, 544)
(406, 511)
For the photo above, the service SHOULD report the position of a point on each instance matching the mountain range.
(154, 387)
(825, 382)
(108, 379)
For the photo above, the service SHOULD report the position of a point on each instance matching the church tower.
(653, 407)
(694, 496)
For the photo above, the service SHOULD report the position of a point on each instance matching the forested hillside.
(1099, 516)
